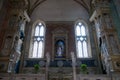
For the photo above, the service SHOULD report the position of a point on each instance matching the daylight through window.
(38, 41)
(81, 40)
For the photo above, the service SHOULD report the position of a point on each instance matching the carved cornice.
(98, 12)
(100, 3)
(17, 4)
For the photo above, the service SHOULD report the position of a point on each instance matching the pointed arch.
(82, 39)
(38, 39)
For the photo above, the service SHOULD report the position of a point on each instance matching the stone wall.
(42, 77)
(115, 12)
(69, 29)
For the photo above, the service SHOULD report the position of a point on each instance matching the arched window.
(38, 41)
(81, 40)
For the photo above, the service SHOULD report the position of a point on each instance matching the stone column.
(47, 65)
(73, 65)
(110, 48)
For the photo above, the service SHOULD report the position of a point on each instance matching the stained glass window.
(81, 40)
(38, 41)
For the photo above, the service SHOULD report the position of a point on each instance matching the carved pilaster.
(11, 49)
(73, 65)
(105, 28)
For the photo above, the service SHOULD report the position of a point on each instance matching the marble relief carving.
(114, 45)
(118, 64)
(108, 21)
(3, 66)
(59, 43)
(60, 47)
(13, 21)
(7, 45)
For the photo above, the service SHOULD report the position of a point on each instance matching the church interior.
(59, 39)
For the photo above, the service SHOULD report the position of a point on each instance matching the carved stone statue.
(17, 44)
(60, 48)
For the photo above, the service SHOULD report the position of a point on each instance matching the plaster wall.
(52, 10)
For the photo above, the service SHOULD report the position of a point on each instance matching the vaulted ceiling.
(59, 10)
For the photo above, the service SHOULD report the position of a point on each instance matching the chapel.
(59, 39)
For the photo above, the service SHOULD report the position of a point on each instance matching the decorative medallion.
(60, 63)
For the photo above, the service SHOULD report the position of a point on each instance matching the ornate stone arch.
(87, 34)
(32, 34)
(59, 34)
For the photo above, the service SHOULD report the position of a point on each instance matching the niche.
(59, 44)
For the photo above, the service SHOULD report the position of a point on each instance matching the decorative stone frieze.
(106, 35)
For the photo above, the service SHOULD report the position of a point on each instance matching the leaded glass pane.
(42, 31)
(80, 49)
(38, 41)
(83, 31)
(37, 31)
(40, 24)
(81, 38)
(40, 49)
(35, 45)
(77, 30)
(85, 49)
(38, 38)
(79, 23)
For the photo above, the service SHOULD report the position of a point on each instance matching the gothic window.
(38, 41)
(81, 40)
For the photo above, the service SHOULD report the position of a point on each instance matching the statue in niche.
(60, 48)
(17, 44)
(114, 45)
(21, 26)
(13, 21)
(7, 45)
(108, 21)
(100, 42)
(118, 64)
